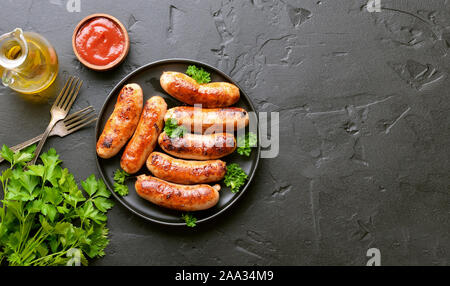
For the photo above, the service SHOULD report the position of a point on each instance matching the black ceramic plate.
(148, 78)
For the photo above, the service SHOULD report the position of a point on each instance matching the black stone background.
(364, 134)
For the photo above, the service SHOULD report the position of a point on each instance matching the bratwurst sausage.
(186, 89)
(185, 172)
(178, 197)
(122, 122)
(209, 120)
(197, 146)
(144, 139)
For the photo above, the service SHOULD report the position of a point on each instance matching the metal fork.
(70, 124)
(59, 110)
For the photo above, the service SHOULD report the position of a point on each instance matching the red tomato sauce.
(100, 41)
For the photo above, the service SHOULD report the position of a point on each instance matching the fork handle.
(24, 145)
(27, 143)
(42, 141)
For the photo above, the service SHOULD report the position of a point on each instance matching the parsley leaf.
(53, 196)
(173, 130)
(199, 74)
(98, 241)
(22, 157)
(52, 170)
(90, 185)
(49, 211)
(89, 212)
(245, 143)
(190, 220)
(103, 204)
(102, 190)
(7, 154)
(50, 159)
(36, 170)
(235, 177)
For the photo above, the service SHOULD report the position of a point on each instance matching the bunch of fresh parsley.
(199, 74)
(173, 130)
(235, 177)
(45, 217)
(245, 143)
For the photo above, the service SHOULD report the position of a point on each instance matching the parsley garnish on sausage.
(173, 130)
(245, 143)
(199, 74)
(235, 177)
(119, 182)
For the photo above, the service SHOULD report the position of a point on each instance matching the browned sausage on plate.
(144, 139)
(122, 122)
(197, 146)
(209, 120)
(178, 197)
(187, 90)
(184, 171)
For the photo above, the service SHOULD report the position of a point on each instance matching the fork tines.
(80, 119)
(68, 94)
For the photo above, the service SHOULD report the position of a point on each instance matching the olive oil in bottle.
(29, 63)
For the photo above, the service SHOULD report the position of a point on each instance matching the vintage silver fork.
(59, 110)
(70, 124)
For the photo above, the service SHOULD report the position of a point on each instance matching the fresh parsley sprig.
(173, 130)
(190, 220)
(235, 177)
(44, 215)
(199, 74)
(119, 182)
(120, 176)
(245, 143)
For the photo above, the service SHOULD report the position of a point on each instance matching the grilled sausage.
(122, 122)
(185, 172)
(198, 147)
(144, 139)
(178, 197)
(209, 120)
(186, 89)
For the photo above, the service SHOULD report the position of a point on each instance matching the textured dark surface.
(365, 126)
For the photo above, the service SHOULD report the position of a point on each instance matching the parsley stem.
(49, 255)
(3, 212)
(4, 184)
(59, 253)
(32, 246)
